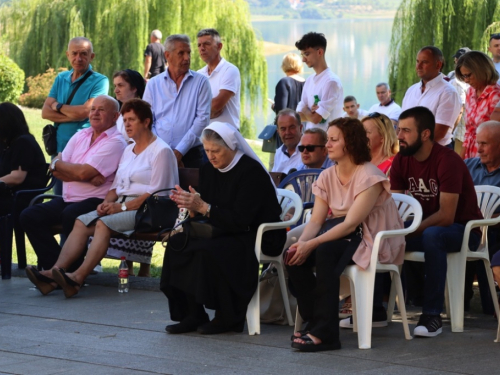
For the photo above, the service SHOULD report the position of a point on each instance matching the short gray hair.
(112, 100)
(211, 32)
(492, 125)
(288, 112)
(383, 84)
(323, 137)
(208, 135)
(157, 34)
(81, 39)
(170, 41)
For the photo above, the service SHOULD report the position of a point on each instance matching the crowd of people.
(112, 154)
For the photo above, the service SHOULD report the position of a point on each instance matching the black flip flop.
(42, 283)
(310, 346)
(302, 332)
(68, 286)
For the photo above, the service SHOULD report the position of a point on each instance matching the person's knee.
(29, 217)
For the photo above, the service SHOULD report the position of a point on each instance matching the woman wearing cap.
(236, 194)
(477, 69)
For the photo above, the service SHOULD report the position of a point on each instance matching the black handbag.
(49, 133)
(156, 213)
(49, 136)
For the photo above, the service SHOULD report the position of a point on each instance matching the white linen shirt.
(226, 76)
(284, 162)
(179, 116)
(329, 89)
(440, 98)
(153, 169)
(392, 110)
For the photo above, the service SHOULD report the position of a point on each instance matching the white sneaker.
(348, 323)
(428, 326)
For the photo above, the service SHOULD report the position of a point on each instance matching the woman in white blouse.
(147, 165)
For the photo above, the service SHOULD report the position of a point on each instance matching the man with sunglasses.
(323, 95)
(287, 156)
(434, 93)
(494, 48)
(313, 149)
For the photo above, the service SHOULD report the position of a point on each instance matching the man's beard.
(412, 149)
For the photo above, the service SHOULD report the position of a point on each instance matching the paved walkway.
(100, 331)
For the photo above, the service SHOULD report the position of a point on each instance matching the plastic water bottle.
(123, 276)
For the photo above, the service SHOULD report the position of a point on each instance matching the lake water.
(357, 51)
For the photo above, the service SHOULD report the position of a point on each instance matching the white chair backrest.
(488, 200)
(288, 200)
(407, 207)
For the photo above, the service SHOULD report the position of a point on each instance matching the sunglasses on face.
(309, 148)
(466, 76)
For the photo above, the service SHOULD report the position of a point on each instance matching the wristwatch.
(59, 106)
(53, 164)
(208, 210)
(124, 207)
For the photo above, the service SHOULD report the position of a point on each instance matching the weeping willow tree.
(35, 34)
(446, 24)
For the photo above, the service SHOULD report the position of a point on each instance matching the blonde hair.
(386, 130)
(292, 63)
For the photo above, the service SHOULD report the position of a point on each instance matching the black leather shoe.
(216, 326)
(188, 324)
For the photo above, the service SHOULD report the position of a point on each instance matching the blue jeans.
(436, 242)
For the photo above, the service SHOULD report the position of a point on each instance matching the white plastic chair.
(488, 198)
(363, 281)
(288, 199)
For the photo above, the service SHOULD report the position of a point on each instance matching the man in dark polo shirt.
(154, 56)
(438, 178)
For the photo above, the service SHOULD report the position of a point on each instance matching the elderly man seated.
(313, 150)
(485, 170)
(87, 168)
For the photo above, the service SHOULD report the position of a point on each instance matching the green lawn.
(36, 124)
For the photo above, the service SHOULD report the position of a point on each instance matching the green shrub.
(38, 88)
(11, 80)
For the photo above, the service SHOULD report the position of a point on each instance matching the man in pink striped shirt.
(87, 168)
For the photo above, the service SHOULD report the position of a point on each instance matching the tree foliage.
(446, 24)
(11, 80)
(36, 32)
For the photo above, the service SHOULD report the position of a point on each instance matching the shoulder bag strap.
(87, 75)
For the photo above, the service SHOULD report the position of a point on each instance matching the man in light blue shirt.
(181, 100)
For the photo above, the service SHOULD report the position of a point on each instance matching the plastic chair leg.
(364, 297)
(396, 281)
(20, 246)
(491, 283)
(455, 280)
(392, 298)
(298, 321)
(253, 314)
(284, 294)
(6, 246)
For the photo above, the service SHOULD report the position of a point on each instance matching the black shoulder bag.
(156, 213)
(49, 133)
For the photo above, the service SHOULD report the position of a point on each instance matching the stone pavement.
(100, 331)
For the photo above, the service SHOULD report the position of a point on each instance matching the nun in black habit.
(236, 194)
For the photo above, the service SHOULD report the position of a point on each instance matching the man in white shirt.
(494, 48)
(290, 130)
(322, 96)
(387, 105)
(224, 79)
(434, 93)
(351, 108)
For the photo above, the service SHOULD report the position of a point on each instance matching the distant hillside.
(324, 9)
